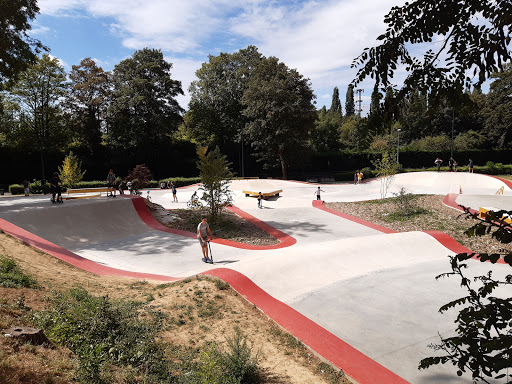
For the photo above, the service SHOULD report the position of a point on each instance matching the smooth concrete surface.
(375, 291)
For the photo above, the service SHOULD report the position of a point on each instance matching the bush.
(180, 181)
(16, 189)
(11, 275)
(104, 333)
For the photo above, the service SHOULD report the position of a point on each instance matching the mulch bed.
(437, 217)
(227, 226)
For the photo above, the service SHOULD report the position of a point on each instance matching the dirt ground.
(200, 309)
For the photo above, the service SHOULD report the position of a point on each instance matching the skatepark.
(361, 296)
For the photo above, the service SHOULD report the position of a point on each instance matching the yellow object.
(500, 191)
(264, 194)
(482, 212)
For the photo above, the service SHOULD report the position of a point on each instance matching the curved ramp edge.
(72, 258)
(355, 364)
(320, 205)
(284, 239)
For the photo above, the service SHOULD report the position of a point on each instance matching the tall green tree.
(37, 94)
(336, 102)
(87, 102)
(350, 105)
(324, 136)
(144, 111)
(279, 105)
(497, 111)
(215, 110)
(475, 42)
(17, 48)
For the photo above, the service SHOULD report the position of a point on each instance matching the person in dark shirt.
(55, 187)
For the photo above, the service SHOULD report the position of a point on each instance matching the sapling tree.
(71, 171)
(483, 341)
(215, 176)
(385, 168)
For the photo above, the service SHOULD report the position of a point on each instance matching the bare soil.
(200, 309)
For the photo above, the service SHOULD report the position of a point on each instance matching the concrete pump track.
(360, 295)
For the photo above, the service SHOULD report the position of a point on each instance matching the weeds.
(105, 333)
(11, 275)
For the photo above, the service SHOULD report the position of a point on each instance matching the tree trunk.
(283, 164)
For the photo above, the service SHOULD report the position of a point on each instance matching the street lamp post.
(398, 146)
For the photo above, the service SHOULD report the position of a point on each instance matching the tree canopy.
(279, 105)
(144, 111)
(473, 42)
(17, 48)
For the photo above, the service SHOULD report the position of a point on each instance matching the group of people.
(452, 165)
(358, 177)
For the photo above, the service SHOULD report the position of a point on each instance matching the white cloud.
(318, 38)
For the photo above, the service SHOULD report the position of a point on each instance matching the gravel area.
(435, 216)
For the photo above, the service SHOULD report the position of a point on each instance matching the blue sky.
(319, 38)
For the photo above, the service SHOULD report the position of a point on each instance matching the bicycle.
(194, 204)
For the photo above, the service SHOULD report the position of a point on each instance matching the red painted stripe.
(285, 240)
(508, 183)
(355, 364)
(450, 200)
(320, 205)
(72, 258)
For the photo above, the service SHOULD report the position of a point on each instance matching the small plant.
(11, 275)
(221, 285)
(239, 360)
(71, 173)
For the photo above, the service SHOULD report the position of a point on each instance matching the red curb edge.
(320, 205)
(72, 258)
(284, 239)
(355, 364)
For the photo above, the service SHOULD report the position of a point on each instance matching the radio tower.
(359, 101)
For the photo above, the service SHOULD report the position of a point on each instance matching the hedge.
(37, 188)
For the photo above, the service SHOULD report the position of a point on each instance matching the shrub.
(180, 181)
(105, 333)
(11, 275)
(16, 189)
(140, 177)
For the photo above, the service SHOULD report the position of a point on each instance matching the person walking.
(360, 177)
(26, 187)
(111, 183)
(355, 177)
(203, 230)
(438, 163)
(450, 164)
(318, 193)
(55, 188)
(260, 198)
(470, 166)
(173, 188)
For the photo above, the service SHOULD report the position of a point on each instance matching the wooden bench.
(266, 194)
(85, 193)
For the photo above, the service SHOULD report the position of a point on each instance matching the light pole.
(398, 146)
(453, 126)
